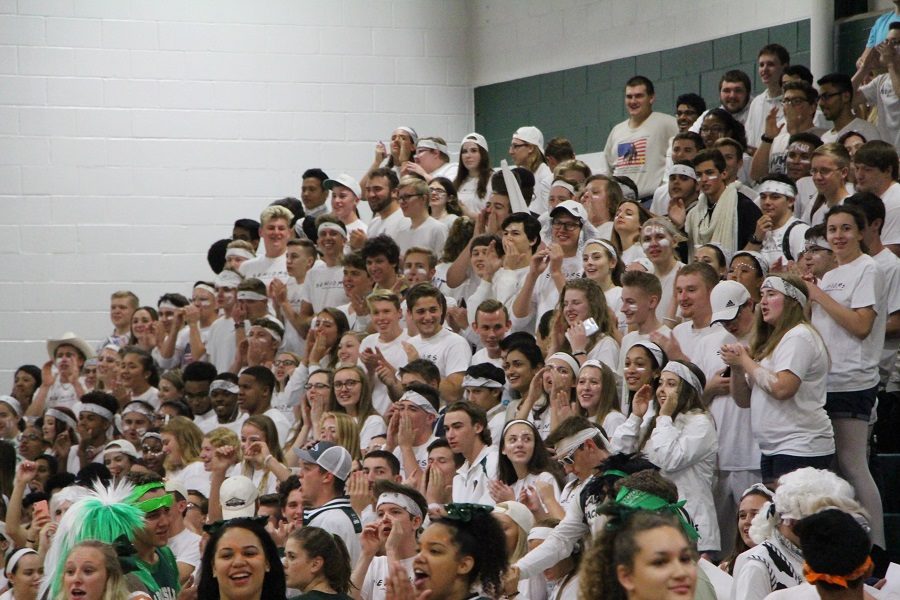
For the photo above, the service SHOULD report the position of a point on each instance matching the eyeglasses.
(316, 386)
(350, 383)
(515, 146)
(30, 437)
(436, 192)
(827, 96)
(566, 225)
(794, 101)
(407, 197)
(284, 363)
(824, 172)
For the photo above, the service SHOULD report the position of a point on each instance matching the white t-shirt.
(430, 234)
(373, 426)
(468, 194)
(545, 295)
(293, 341)
(640, 153)
(448, 170)
(854, 362)
(869, 131)
(186, 547)
(395, 354)
(324, 287)
(606, 350)
(738, 451)
(374, 586)
(481, 356)
(687, 335)
(391, 226)
(667, 282)
(194, 477)
(773, 242)
(890, 233)
(889, 272)
(449, 351)
(281, 424)
(798, 426)
(882, 94)
(507, 283)
(220, 343)
(181, 355)
(420, 452)
(265, 269)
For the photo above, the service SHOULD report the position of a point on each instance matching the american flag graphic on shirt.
(631, 154)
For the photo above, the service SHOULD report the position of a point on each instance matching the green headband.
(615, 473)
(634, 500)
(148, 506)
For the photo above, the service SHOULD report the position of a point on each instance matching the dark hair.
(706, 273)
(199, 371)
(35, 373)
(871, 206)
(710, 154)
(841, 81)
(382, 245)
(273, 580)
(559, 148)
(859, 218)
(52, 463)
(424, 367)
(292, 204)
(181, 407)
(315, 172)
(528, 348)
(805, 137)
(539, 462)
(485, 239)
(833, 543)
(452, 207)
(107, 401)
(641, 80)
(484, 169)
(812, 96)
(476, 414)
(693, 100)
(442, 442)
(173, 298)
(692, 136)
(251, 226)
(736, 76)
(336, 568)
(800, 71)
(646, 282)
(59, 481)
(387, 173)
(262, 375)
(880, 155)
(530, 225)
(734, 129)
(458, 237)
(392, 461)
(778, 50)
(426, 290)
(287, 486)
(482, 538)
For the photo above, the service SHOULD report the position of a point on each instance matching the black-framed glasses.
(824, 96)
(566, 225)
(284, 363)
(316, 386)
(350, 383)
(515, 146)
(794, 101)
(407, 197)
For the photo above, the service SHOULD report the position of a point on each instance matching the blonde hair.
(420, 185)
(115, 588)
(347, 431)
(189, 439)
(275, 212)
(222, 436)
(383, 295)
(243, 245)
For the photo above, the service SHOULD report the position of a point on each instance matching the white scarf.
(722, 227)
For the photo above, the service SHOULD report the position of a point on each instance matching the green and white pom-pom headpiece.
(104, 514)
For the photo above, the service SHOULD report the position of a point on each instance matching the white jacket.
(685, 450)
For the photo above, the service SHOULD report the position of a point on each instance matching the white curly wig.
(802, 493)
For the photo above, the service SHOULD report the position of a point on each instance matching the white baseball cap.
(726, 300)
(238, 497)
(531, 135)
(346, 181)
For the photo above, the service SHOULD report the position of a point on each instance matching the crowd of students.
(536, 380)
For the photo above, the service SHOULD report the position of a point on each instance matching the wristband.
(755, 240)
(581, 353)
(766, 139)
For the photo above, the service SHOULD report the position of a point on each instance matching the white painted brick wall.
(132, 134)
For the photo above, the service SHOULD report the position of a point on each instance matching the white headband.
(116, 446)
(788, 289)
(275, 335)
(412, 132)
(228, 279)
(250, 295)
(685, 374)
(605, 244)
(591, 363)
(16, 557)
(97, 410)
(483, 382)
(239, 252)
(539, 533)
(166, 304)
(206, 288)
(333, 227)
(224, 384)
(684, 170)
(134, 407)
(13, 404)
(401, 500)
(566, 445)
(419, 400)
(568, 359)
(151, 434)
(777, 187)
(61, 416)
(516, 422)
(433, 145)
(653, 349)
(564, 185)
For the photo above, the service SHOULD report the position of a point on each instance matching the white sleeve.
(751, 581)
(672, 448)
(295, 387)
(459, 356)
(793, 353)
(558, 546)
(606, 350)
(627, 435)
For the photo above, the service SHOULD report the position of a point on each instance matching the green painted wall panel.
(584, 103)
